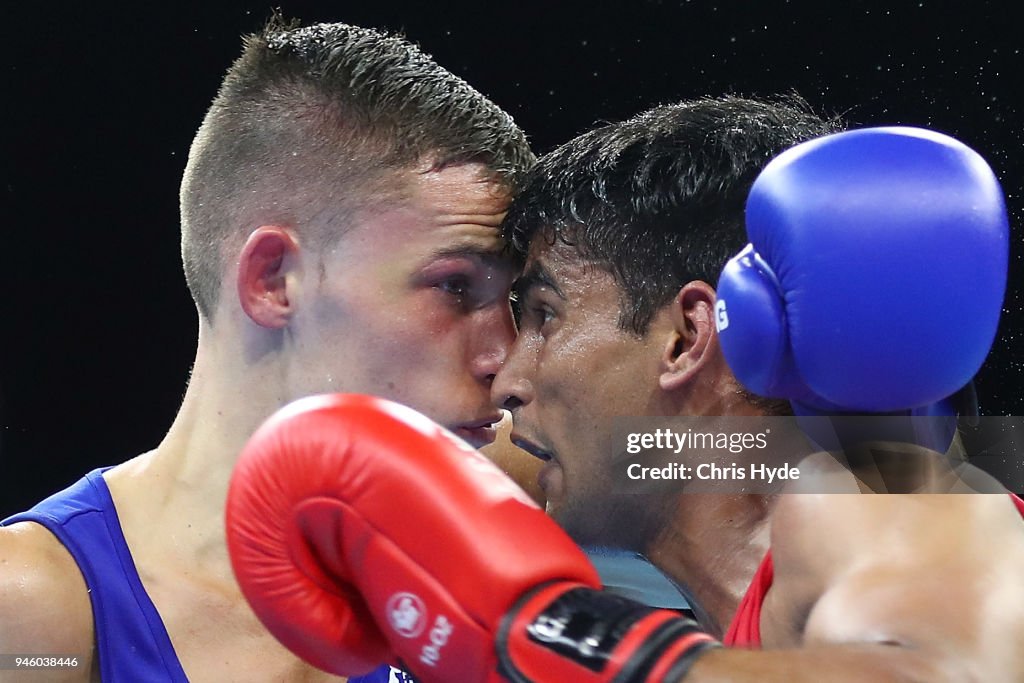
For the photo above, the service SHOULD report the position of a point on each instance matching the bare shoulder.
(827, 520)
(44, 602)
(894, 524)
(937, 573)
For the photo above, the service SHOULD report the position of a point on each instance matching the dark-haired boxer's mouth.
(479, 433)
(532, 448)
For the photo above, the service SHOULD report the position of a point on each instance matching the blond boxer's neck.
(178, 490)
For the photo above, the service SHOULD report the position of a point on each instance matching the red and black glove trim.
(618, 640)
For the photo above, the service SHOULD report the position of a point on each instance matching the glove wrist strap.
(570, 632)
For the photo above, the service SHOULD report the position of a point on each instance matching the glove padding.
(362, 533)
(875, 273)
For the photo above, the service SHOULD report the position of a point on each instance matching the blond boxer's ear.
(268, 258)
(693, 341)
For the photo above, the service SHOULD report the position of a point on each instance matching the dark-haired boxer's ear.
(263, 268)
(693, 341)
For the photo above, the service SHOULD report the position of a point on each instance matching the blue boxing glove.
(874, 276)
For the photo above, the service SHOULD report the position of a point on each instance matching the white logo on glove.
(721, 316)
(406, 614)
(439, 635)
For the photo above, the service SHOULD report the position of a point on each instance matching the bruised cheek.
(435, 318)
(433, 333)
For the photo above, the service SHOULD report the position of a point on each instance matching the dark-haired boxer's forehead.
(558, 274)
(559, 268)
(535, 276)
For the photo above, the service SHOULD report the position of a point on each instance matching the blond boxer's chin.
(551, 480)
(477, 437)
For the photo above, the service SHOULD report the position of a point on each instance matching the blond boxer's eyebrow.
(489, 255)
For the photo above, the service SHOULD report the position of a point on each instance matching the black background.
(101, 103)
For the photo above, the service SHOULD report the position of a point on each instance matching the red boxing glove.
(362, 533)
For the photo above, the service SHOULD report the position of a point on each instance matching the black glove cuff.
(587, 626)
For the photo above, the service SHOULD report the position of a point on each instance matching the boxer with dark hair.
(901, 587)
(632, 212)
(862, 242)
(340, 215)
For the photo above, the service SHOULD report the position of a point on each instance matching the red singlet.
(745, 629)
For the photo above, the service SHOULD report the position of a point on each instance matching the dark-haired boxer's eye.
(537, 316)
(545, 315)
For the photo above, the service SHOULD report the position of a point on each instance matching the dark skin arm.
(888, 588)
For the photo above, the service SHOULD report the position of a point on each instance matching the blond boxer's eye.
(457, 286)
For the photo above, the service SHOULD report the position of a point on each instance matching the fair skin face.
(411, 304)
(856, 595)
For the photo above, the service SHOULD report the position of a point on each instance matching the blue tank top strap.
(131, 641)
(384, 674)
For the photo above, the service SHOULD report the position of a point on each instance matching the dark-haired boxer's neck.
(711, 548)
